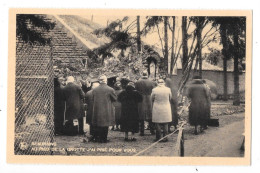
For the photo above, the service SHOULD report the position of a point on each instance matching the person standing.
(74, 111)
(59, 107)
(89, 101)
(174, 103)
(85, 86)
(129, 116)
(144, 86)
(208, 93)
(117, 104)
(161, 115)
(198, 109)
(103, 109)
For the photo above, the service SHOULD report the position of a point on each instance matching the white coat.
(161, 112)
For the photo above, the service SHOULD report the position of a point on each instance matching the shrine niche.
(152, 67)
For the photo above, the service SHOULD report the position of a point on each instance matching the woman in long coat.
(162, 115)
(129, 99)
(198, 110)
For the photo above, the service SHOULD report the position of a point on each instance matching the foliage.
(31, 28)
(119, 38)
(229, 25)
(151, 22)
(214, 57)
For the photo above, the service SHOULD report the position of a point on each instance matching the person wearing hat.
(198, 109)
(162, 113)
(103, 109)
(129, 99)
(89, 102)
(74, 110)
(144, 86)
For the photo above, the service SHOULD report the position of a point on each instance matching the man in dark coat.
(129, 117)
(59, 107)
(85, 86)
(145, 86)
(174, 103)
(89, 101)
(103, 109)
(74, 96)
(198, 109)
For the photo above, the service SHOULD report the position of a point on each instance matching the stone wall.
(218, 78)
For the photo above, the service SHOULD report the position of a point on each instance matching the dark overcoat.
(73, 96)
(59, 108)
(103, 109)
(145, 86)
(208, 100)
(198, 110)
(89, 101)
(129, 115)
(117, 105)
(174, 101)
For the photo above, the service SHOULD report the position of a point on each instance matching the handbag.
(213, 122)
(70, 128)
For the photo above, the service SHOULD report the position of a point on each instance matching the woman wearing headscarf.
(129, 99)
(161, 107)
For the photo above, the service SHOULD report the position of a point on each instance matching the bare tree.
(166, 52)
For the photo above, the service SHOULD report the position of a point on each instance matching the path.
(217, 142)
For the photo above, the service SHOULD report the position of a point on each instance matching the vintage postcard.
(138, 87)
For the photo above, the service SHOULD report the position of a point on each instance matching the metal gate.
(34, 97)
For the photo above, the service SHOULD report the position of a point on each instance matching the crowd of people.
(125, 108)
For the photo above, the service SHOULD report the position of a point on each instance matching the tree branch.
(160, 38)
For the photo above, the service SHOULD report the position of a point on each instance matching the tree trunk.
(184, 44)
(225, 96)
(236, 100)
(223, 33)
(199, 30)
(172, 53)
(138, 35)
(166, 44)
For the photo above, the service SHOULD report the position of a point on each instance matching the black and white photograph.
(137, 84)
